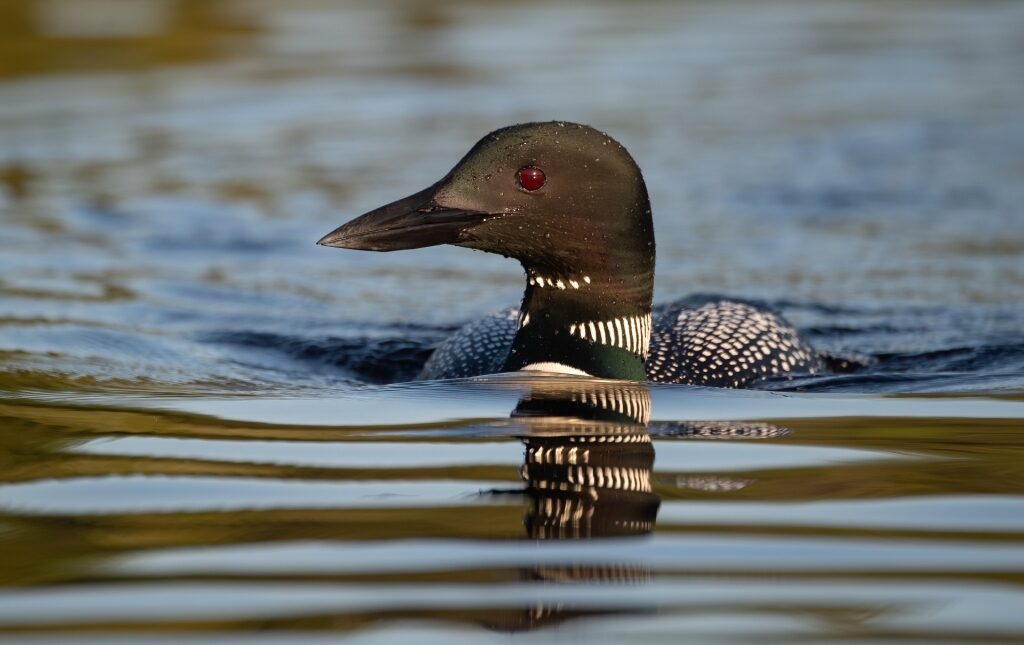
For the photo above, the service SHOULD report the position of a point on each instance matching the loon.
(570, 204)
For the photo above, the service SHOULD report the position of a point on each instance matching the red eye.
(530, 178)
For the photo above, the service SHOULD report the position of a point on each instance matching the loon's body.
(571, 205)
(698, 341)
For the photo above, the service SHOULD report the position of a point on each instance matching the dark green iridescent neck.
(593, 324)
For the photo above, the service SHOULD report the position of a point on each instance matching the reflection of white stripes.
(632, 333)
(636, 479)
(635, 404)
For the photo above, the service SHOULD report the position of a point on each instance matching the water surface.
(209, 434)
(890, 519)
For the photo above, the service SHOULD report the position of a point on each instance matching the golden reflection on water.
(48, 36)
(917, 536)
(588, 476)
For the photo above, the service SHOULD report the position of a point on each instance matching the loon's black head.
(570, 204)
(562, 198)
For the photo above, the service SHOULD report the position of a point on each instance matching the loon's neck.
(580, 323)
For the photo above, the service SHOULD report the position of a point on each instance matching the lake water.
(209, 433)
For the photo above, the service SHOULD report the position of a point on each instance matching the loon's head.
(570, 204)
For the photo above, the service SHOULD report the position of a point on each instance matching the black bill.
(410, 223)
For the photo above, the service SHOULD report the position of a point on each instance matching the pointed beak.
(410, 223)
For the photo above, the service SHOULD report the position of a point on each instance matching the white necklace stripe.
(548, 281)
(632, 333)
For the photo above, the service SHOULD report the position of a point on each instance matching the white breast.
(557, 368)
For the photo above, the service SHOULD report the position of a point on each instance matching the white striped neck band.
(632, 333)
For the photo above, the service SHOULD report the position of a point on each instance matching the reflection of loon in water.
(570, 204)
(588, 468)
(588, 475)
